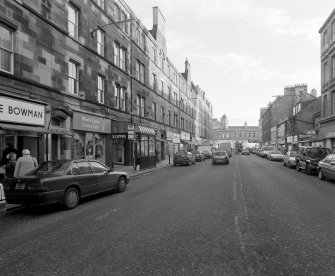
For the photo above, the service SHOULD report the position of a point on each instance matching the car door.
(326, 166)
(85, 177)
(105, 180)
(332, 167)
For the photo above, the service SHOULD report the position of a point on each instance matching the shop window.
(6, 49)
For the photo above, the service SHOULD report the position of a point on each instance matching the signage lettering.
(12, 110)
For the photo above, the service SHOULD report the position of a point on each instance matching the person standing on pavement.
(9, 148)
(25, 164)
(10, 166)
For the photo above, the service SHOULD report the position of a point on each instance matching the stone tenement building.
(86, 79)
(327, 121)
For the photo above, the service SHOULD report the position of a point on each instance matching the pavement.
(163, 164)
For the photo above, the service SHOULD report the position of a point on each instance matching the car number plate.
(20, 186)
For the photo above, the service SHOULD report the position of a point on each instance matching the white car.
(289, 159)
(275, 155)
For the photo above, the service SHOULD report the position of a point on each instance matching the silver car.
(275, 155)
(289, 159)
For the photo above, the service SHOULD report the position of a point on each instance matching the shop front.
(145, 147)
(90, 136)
(22, 125)
(327, 134)
(122, 137)
(161, 146)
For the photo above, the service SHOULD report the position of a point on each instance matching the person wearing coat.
(10, 166)
(25, 164)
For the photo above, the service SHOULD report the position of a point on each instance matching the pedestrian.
(25, 164)
(5, 154)
(10, 166)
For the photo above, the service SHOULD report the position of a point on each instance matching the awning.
(146, 130)
(22, 127)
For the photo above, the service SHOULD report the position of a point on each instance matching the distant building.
(327, 121)
(282, 108)
(223, 133)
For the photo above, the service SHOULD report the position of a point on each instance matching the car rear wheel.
(121, 184)
(298, 167)
(321, 176)
(71, 198)
(308, 169)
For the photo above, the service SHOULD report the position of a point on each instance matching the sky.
(242, 52)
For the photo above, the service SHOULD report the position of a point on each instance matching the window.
(142, 106)
(333, 67)
(123, 99)
(137, 37)
(162, 86)
(100, 42)
(140, 71)
(142, 41)
(333, 30)
(182, 123)
(154, 111)
(175, 120)
(325, 73)
(153, 54)
(324, 39)
(120, 56)
(72, 20)
(325, 104)
(124, 24)
(116, 11)
(73, 77)
(6, 49)
(140, 103)
(175, 98)
(101, 89)
(154, 84)
(162, 115)
(169, 114)
(333, 103)
(117, 96)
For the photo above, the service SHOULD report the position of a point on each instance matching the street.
(251, 217)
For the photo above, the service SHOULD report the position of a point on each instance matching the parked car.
(289, 159)
(65, 182)
(245, 152)
(220, 157)
(265, 151)
(308, 158)
(207, 154)
(183, 157)
(275, 155)
(198, 155)
(326, 167)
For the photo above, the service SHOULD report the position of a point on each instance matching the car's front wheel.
(321, 176)
(71, 198)
(121, 184)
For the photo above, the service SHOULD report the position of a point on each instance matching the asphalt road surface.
(251, 217)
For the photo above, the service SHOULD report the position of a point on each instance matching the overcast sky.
(242, 52)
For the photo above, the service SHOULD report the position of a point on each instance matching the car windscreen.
(317, 153)
(276, 152)
(51, 167)
(219, 153)
(293, 153)
(196, 152)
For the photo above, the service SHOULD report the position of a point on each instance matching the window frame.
(74, 78)
(101, 89)
(76, 23)
(100, 35)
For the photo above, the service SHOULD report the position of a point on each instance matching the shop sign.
(21, 112)
(185, 136)
(176, 138)
(169, 135)
(91, 123)
(118, 136)
(295, 138)
(330, 134)
(131, 132)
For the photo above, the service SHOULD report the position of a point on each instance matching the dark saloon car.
(220, 157)
(207, 154)
(65, 182)
(326, 167)
(183, 157)
(198, 155)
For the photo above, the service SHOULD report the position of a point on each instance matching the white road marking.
(105, 215)
(237, 228)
